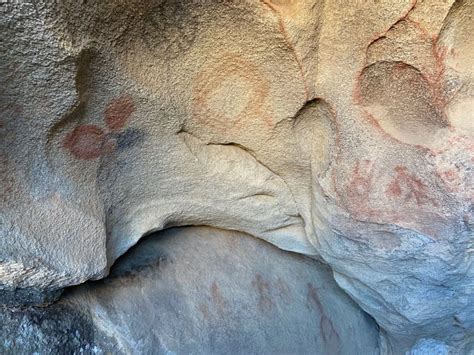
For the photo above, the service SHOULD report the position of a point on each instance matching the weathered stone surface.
(343, 131)
(199, 291)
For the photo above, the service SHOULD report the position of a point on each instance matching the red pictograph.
(85, 142)
(91, 141)
(118, 112)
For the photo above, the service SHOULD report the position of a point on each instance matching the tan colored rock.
(338, 130)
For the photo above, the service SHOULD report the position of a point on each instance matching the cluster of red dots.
(91, 141)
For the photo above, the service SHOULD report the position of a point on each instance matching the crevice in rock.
(244, 149)
(290, 45)
(403, 17)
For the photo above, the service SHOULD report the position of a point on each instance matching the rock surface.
(198, 291)
(341, 131)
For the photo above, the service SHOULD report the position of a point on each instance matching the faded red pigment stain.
(400, 187)
(118, 112)
(408, 201)
(454, 159)
(434, 79)
(85, 142)
(394, 189)
(453, 179)
(312, 299)
(204, 309)
(283, 290)
(326, 328)
(362, 179)
(450, 175)
(265, 302)
(90, 141)
(209, 81)
(360, 187)
(218, 299)
(409, 188)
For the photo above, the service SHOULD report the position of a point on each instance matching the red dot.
(85, 142)
(118, 112)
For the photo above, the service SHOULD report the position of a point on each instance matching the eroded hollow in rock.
(198, 289)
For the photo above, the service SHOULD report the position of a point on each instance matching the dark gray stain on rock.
(28, 296)
(57, 329)
(129, 138)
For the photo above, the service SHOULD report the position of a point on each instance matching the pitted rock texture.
(342, 131)
(198, 290)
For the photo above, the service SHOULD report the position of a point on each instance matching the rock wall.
(198, 291)
(339, 130)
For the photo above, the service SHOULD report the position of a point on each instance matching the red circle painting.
(118, 112)
(85, 142)
(215, 87)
